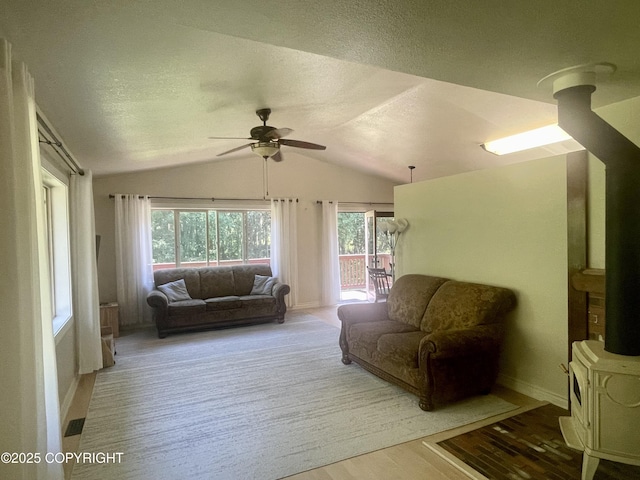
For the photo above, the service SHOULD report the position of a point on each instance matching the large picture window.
(199, 238)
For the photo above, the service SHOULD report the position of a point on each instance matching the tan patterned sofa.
(197, 298)
(437, 338)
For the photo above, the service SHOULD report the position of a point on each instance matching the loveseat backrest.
(409, 297)
(210, 282)
(463, 304)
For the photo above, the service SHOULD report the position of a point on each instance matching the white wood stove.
(605, 406)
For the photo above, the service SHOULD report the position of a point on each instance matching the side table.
(109, 317)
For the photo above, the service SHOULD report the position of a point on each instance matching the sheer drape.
(329, 254)
(134, 273)
(86, 308)
(284, 239)
(30, 412)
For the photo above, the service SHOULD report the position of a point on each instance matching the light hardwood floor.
(407, 461)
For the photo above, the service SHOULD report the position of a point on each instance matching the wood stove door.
(578, 375)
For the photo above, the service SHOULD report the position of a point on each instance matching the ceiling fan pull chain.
(265, 178)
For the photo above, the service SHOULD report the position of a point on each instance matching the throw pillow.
(262, 285)
(175, 291)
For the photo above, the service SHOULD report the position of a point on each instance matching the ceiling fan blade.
(277, 157)
(301, 144)
(234, 149)
(277, 133)
(230, 138)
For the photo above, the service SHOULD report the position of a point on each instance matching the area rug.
(255, 402)
(528, 445)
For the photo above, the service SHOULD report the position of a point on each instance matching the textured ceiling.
(133, 85)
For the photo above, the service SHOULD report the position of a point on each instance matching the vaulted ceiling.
(138, 84)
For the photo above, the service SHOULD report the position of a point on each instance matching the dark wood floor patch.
(528, 446)
(74, 427)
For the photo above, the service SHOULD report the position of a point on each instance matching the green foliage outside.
(351, 233)
(351, 237)
(234, 235)
(163, 236)
(224, 235)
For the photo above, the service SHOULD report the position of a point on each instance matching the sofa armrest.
(157, 299)
(362, 312)
(279, 290)
(460, 342)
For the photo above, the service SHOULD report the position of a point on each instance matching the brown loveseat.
(215, 297)
(437, 338)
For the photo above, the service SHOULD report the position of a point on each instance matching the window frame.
(58, 247)
(207, 211)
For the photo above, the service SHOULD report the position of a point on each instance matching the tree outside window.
(209, 237)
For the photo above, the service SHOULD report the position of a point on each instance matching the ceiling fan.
(268, 139)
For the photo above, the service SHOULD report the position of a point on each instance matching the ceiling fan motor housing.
(260, 132)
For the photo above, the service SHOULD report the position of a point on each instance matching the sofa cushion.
(216, 282)
(370, 332)
(175, 291)
(187, 307)
(262, 285)
(410, 296)
(217, 304)
(462, 305)
(248, 300)
(401, 348)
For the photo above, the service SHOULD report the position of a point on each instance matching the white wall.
(296, 177)
(503, 226)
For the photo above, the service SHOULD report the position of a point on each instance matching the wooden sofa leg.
(425, 404)
(345, 359)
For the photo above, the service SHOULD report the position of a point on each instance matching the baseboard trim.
(304, 306)
(68, 398)
(533, 391)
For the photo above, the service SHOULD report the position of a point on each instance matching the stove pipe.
(622, 166)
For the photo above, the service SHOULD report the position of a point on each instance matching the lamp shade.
(402, 224)
(383, 226)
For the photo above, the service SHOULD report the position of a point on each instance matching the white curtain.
(30, 411)
(86, 308)
(134, 271)
(329, 254)
(284, 241)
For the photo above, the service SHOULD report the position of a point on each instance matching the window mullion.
(244, 237)
(176, 228)
(206, 227)
(217, 237)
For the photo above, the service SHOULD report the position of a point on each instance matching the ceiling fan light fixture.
(265, 149)
(526, 140)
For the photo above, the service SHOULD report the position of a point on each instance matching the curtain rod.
(359, 203)
(57, 146)
(212, 199)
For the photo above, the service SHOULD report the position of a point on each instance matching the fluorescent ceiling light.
(526, 140)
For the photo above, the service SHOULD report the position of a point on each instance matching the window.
(198, 238)
(55, 204)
